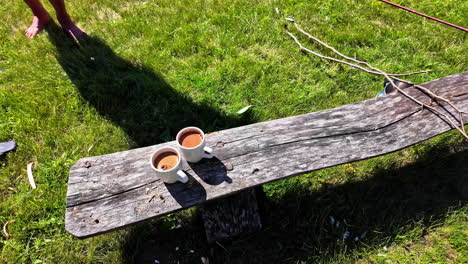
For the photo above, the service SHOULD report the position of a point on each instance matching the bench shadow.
(132, 96)
(298, 227)
(187, 194)
(211, 171)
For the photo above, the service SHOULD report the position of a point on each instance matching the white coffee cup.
(194, 154)
(173, 175)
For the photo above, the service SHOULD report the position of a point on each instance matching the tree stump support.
(232, 216)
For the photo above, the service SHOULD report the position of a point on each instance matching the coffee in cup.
(167, 162)
(191, 139)
(191, 142)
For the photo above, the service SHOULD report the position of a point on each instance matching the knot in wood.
(87, 164)
(229, 166)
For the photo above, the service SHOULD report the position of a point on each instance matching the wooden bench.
(113, 191)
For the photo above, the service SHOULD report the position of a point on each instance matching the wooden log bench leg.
(232, 216)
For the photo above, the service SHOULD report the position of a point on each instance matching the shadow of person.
(132, 96)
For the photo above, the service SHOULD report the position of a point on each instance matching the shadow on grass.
(391, 204)
(132, 96)
(297, 226)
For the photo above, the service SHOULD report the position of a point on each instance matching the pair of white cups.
(192, 155)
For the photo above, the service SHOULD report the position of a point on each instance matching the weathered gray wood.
(113, 191)
(231, 216)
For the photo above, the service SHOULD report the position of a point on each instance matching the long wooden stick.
(426, 16)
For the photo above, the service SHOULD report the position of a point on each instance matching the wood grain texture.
(116, 190)
(232, 216)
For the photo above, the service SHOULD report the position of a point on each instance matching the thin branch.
(330, 58)
(379, 72)
(461, 130)
(432, 94)
(347, 57)
(437, 97)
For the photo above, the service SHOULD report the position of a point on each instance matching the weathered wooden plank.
(231, 216)
(113, 191)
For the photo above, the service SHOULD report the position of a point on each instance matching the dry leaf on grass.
(30, 175)
(5, 228)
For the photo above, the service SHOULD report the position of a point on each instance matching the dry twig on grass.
(379, 72)
(5, 228)
(390, 77)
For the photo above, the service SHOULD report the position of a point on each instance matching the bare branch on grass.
(347, 57)
(389, 77)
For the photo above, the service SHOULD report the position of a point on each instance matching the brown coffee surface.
(190, 139)
(166, 161)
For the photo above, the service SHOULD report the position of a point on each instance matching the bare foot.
(36, 26)
(73, 30)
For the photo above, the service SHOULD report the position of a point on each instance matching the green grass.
(150, 68)
(444, 244)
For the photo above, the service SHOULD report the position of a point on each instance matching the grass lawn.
(149, 68)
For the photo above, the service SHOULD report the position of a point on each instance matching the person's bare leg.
(65, 21)
(40, 19)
